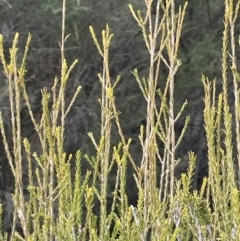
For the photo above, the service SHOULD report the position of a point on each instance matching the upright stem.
(171, 99)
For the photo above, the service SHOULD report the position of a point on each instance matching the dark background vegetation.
(200, 52)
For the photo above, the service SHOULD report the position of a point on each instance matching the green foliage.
(61, 203)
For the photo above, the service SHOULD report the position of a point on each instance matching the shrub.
(55, 200)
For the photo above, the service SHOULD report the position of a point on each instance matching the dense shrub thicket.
(136, 142)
